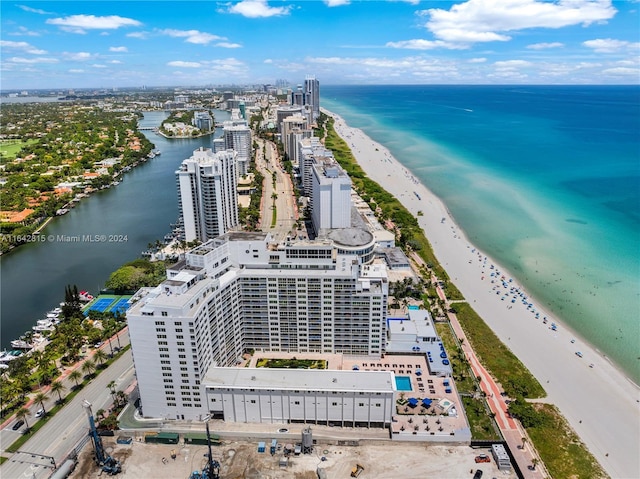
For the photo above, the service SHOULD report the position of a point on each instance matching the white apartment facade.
(207, 187)
(237, 137)
(330, 196)
(242, 292)
(341, 398)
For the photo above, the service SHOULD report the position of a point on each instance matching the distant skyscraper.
(312, 95)
(207, 185)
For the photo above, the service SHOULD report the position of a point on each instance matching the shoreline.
(600, 402)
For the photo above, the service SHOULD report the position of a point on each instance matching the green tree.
(75, 376)
(88, 367)
(58, 388)
(40, 398)
(23, 414)
(100, 356)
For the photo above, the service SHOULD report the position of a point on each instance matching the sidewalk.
(511, 430)
(66, 371)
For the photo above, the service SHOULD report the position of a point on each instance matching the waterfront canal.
(128, 216)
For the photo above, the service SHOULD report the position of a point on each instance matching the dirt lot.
(240, 460)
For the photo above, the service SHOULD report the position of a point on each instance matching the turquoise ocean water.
(544, 179)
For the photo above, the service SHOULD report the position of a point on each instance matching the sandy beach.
(600, 403)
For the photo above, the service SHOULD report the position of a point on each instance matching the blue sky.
(164, 43)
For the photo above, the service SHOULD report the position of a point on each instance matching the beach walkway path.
(513, 433)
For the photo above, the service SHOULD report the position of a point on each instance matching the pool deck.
(432, 423)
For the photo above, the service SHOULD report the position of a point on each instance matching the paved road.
(285, 203)
(60, 435)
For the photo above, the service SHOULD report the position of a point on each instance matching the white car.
(39, 413)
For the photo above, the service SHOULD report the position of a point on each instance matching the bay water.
(130, 215)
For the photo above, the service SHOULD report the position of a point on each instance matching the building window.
(164, 313)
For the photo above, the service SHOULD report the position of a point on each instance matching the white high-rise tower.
(207, 185)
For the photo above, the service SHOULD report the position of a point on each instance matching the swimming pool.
(403, 383)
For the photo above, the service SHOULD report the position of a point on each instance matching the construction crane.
(212, 469)
(107, 463)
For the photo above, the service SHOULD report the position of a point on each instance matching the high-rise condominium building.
(237, 137)
(330, 195)
(294, 129)
(312, 95)
(240, 292)
(207, 186)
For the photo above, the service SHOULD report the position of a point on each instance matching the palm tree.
(58, 387)
(75, 376)
(121, 399)
(524, 441)
(100, 356)
(112, 388)
(40, 398)
(23, 413)
(534, 463)
(89, 367)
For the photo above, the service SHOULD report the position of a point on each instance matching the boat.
(43, 325)
(7, 356)
(21, 344)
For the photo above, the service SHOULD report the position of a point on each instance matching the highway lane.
(63, 431)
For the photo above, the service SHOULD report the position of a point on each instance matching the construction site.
(242, 459)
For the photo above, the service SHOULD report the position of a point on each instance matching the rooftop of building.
(294, 379)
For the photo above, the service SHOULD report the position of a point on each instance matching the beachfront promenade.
(511, 430)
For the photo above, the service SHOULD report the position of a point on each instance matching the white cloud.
(511, 64)
(623, 71)
(181, 64)
(609, 45)
(192, 36)
(477, 60)
(97, 65)
(268, 60)
(336, 3)
(78, 56)
(76, 70)
(35, 10)
(82, 23)
(32, 60)
(488, 20)
(257, 9)
(141, 35)
(118, 49)
(544, 46)
(115, 62)
(228, 45)
(420, 44)
(24, 32)
(22, 46)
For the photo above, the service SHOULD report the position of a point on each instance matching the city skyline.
(131, 44)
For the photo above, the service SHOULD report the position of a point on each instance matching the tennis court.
(101, 304)
(108, 302)
(121, 306)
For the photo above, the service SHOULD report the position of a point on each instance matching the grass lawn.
(292, 363)
(503, 365)
(11, 148)
(476, 409)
